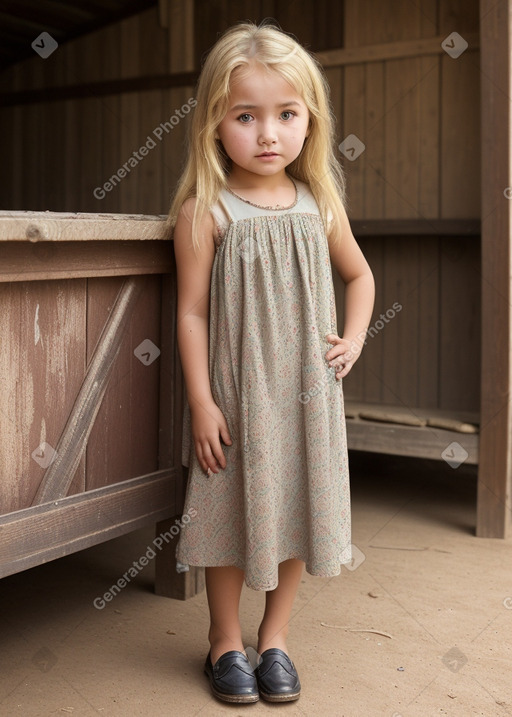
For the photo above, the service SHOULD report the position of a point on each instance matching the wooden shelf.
(380, 436)
(416, 227)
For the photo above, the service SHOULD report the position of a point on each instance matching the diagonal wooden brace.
(73, 440)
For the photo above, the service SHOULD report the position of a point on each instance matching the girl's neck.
(277, 189)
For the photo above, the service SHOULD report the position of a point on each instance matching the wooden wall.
(417, 114)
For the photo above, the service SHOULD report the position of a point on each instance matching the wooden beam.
(414, 441)
(416, 227)
(64, 226)
(389, 51)
(25, 261)
(99, 89)
(79, 521)
(493, 505)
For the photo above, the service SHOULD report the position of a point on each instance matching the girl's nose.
(268, 135)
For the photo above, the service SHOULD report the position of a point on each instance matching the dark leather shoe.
(232, 678)
(277, 677)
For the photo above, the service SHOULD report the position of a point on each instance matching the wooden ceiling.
(22, 21)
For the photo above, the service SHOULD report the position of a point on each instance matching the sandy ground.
(421, 626)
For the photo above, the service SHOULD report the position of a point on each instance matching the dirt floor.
(422, 624)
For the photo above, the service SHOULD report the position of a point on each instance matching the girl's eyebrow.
(256, 107)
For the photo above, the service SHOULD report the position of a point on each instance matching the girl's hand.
(341, 355)
(208, 423)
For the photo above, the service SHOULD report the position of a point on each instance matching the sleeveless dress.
(285, 490)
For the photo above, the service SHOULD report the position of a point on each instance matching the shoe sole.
(286, 697)
(234, 699)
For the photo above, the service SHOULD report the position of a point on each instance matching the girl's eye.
(287, 115)
(246, 117)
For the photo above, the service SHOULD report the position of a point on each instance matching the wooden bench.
(421, 433)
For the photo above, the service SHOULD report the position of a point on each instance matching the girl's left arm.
(348, 260)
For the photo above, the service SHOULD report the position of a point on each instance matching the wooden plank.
(153, 57)
(460, 134)
(124, 439)
(459, 325)
(91, 115)
(120, 85)
(398, 50)
(143, 388)
(111, 119)
(416, 227)
(23, 261)
(14, 423)
(53, 151)
(377, 437)
(398, 331)
(403, 79)
(429, 310)
(70, 191)
(129, 127)
(374, 182)
(42, 359)
(31, 158)
(81, 226)
(494, 474)
(181, 36)
(72, 440)
(354, 124)
(79, 521)
(428, 201)
(461, 16)
(415, 413)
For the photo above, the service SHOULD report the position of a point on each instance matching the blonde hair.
(207, 166)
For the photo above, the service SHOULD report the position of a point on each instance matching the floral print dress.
(285, 490)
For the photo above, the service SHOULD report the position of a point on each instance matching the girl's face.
(265, 126)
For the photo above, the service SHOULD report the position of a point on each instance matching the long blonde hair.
(207, 166)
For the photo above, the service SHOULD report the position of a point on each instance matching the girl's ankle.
(221, 643)
(276, 639)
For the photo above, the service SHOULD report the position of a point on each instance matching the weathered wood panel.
(495, 469)
(422, 356)
(124, 439)
(79, 521)
(42, 365)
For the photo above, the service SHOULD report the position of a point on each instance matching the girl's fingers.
(211, 456)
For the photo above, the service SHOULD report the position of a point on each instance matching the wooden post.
(168, 582)
(493, 511)
(178, 16)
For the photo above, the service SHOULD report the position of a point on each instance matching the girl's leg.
(273, 630)
(223, 587)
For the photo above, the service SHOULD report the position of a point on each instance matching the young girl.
(258, 218)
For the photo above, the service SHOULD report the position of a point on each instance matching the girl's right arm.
(194, 270)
